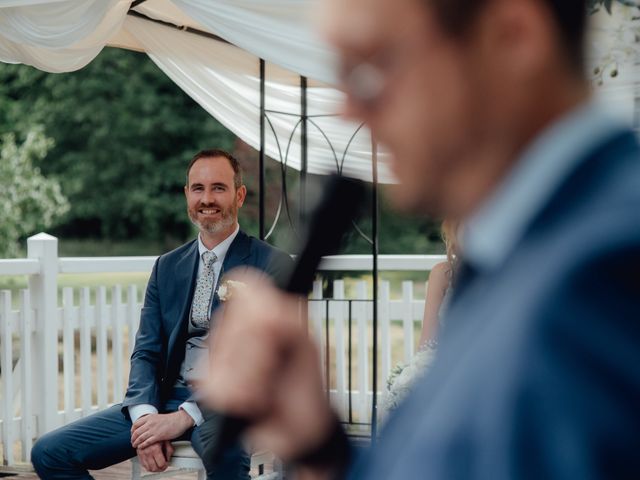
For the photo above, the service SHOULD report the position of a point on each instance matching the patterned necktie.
(204, 290)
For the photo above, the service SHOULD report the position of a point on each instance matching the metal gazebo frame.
(304, 120)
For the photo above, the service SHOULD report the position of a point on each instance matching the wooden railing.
(63, 357)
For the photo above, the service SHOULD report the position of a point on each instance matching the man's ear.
(186, 191)
(518, 34)
(241, 194)
(515, 37)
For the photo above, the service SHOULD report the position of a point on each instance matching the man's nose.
(207, 197)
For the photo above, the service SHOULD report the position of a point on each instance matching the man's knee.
(234, 463)
(44, 454)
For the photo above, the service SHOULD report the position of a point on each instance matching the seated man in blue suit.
(171, 342)
(485, 108)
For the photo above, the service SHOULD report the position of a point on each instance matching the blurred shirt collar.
(494, 229)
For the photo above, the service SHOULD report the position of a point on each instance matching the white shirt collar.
(498, 224)
(222, 248)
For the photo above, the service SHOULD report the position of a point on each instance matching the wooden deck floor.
(121, 471)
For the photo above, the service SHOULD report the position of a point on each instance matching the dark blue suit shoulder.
(177, 253)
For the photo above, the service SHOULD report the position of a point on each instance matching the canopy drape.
(58, 35)
(225, 80)
(65, 35)
(279, 31)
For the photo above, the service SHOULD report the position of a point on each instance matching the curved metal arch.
(286, 153)
(374, 225)
(346, 149)
(279, 210)
(333, 150)
(340, 167)
(284, 197)
(344, 156)
(284, 162)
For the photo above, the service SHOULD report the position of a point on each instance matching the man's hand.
(155, 458)
(154, 428)
(263, 367)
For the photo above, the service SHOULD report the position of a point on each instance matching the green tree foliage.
(124, 133)
(29, 201)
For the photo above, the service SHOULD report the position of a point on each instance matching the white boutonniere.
(228, 287)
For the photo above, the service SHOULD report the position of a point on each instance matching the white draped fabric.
(57, 35)
(64, 35)
(280, 31)
(225, 80)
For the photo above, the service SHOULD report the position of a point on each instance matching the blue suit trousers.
(104, 439)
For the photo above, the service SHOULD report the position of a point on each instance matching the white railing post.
(384, 340)
(26, 329)
(44, 296)
(341, 363)
(316, 311)
(6, 362)
(407, 319)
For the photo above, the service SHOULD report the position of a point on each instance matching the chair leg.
(135, 469)
(278, 467)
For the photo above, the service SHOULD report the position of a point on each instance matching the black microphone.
(339, 207)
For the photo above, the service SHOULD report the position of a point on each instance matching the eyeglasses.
(365, 80)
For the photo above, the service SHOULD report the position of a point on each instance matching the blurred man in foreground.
(485, 108)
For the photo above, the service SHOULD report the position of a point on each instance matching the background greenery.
(119, 134)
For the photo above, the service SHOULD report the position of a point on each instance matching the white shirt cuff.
(137, 411)
(193, 411)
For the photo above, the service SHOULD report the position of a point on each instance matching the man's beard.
(229, 218)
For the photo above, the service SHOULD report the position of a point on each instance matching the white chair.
(185, 460)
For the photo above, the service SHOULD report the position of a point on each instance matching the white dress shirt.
(220, 251)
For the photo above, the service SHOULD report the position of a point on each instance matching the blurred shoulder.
(261, 246)
(269, 258)
(176, 253)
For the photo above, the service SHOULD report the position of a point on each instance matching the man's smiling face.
(212, 198)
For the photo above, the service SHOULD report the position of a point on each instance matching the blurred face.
(212, 199)
(415, 87)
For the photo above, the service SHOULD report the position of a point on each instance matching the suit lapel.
(185, 276)
(185, 273)
(239, 251)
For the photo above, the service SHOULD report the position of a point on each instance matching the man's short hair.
(215, 152)
(456, 16)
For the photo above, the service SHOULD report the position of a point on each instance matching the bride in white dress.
(403, 376)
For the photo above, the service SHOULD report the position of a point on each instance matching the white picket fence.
(61, 362)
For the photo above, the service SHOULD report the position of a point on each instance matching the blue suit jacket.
(538, 372)
(162, 335)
